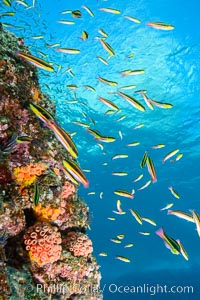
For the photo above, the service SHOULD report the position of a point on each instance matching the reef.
(45, 252)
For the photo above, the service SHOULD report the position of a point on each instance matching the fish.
(105, 139)
(123, 193)
(101, 195)
(120, 134)
(106, 81)
(138, 178)
(76, 13)
(88, 10)
(111, 219)
(66, 12)
(66, 22)
(132, 101)
(160, 104)
(115, 241)
(89, 87)
(136, 215)
(7, 2)
(170, 243)
(131, 72)
(144, 160)
(7, 147)
(121, 118)
(103, 254)
(183, 251)
(117, 156)
(64, 138)
(53, 45)
(127, 87)
(107, 47)
(73, 168)
(91, 193)
(122, 258)
(158, 146)
(102, 32)
(169, 155)
(84, 35)
(36, 195)
(138, 126)
(38, 62)
(133, 144)
(41, 113)
(160, 25)
(147, 101)
(94, 133)
(72, 86)
(22, 3)
(132, 19)
(144, 232)
(140, 91)
(151, 169)
(101, 146)
(150, 221)
(109, 103)
(87, 170)
(70, 177)
(181, 214)
(37, 37)
(119, 213)
(110, 10)
(177, 158)
(119, 209)
(196, 219)
(81, 124)
(120, 236)
(167, 206)
(174, 193)
(68, 50)
(129, 245)
(103, 60)
(145, 185)
(23, 139)
(7, 14)
(119, 173)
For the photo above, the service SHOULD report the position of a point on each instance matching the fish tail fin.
(160, 232)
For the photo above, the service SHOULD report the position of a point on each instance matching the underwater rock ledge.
(45, 252)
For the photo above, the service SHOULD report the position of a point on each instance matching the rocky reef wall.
(45, 252)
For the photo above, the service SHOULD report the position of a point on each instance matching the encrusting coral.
(79, 244)
(43, 243)
(42, 219)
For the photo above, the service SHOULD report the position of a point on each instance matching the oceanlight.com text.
(150, 289)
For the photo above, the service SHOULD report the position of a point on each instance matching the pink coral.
(79, 244)
(68, 190)
(43, 243)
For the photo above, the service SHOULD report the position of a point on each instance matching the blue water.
(172, 74)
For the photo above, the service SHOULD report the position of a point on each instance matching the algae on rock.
(30, 233)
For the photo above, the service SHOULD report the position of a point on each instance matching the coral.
(68, 190)
(77, 275)
(26, 175)
(12, 221)
(43, 243)
(5, 175)
(74, 213)
(78, 243)
(47, 213)
(47, 253)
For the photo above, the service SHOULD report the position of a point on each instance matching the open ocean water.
(170, 60)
